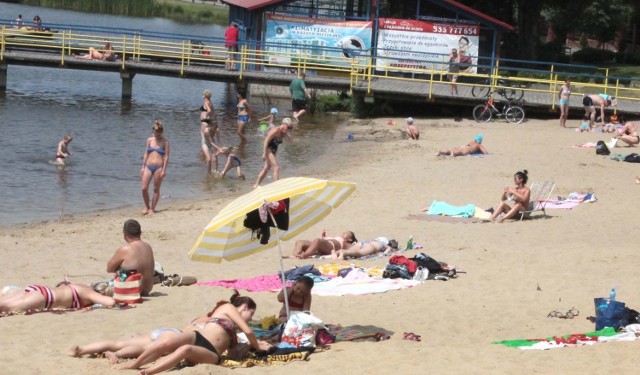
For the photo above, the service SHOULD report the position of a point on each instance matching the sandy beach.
(516, 272)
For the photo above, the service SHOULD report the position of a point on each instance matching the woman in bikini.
(563, 101)
(244, 115)
(270, 148)
(64, 295)
(114, 350)
(518, 195)
(365, 248)
(298, 296)
(207, 344)
(629, 134)
(154, 165)
(473, 147)
(323, 246)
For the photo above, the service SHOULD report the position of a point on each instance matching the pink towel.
(271, 283)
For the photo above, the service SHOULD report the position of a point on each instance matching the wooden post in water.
(3, 76)
(127, 84)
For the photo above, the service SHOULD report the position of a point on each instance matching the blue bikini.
(159, 150)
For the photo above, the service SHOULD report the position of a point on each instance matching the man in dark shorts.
(299, 95)
(231, 44)
(590, 102)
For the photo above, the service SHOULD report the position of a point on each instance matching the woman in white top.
(563, 101)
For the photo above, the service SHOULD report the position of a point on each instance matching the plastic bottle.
(410, 243)
(612, 294)
(324, 233)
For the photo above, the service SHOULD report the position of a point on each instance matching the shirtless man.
(473, 147)
(135, 256)
(323, 246)
(591, 101)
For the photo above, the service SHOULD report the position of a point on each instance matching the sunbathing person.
(298, 296)
(204, 345)
(629, 134)
(473, 147)
(64, 295)
(518, 195)
(114, 350)
(106, 54)
(304, 249)
(364, 248)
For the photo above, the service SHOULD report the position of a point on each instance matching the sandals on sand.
(177, 280)
(411, 336)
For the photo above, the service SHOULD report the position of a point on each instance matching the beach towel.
(445, 219)
(60, 311)
(253, 359)
(357, 332)
(332, 269)
(554, 342)
(270, 283)
(443, 208)
(341, 287)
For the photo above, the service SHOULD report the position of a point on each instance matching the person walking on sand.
(563, 101)
(231, 44)
(412, 131)
(518, 195)
(136, 256)
(299, 95)
(270, 148)
(63, 149)
(154, 165)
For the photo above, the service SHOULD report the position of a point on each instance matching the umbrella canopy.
(310, 200)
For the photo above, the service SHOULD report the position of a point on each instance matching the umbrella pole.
(284, 280)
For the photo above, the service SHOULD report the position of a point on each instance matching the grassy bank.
(181, 11)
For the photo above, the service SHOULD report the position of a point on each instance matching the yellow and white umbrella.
(310, 200)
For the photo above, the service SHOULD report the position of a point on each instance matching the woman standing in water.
(154, 165)
(209, 134)
(207, 117)
(244, 115)
(270, 148)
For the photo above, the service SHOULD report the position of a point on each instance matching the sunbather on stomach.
(323, 246)
(519, 195)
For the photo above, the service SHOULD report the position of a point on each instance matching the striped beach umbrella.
(310, 200)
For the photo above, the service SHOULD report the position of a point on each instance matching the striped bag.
(128, 291)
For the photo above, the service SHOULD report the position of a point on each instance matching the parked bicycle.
(512, 111)
(504, 89)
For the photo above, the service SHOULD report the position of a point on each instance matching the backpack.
(396, 271)
(602, 149)
(410, 265)
(425, 261)
(632, 158)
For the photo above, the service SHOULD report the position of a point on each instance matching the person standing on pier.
(231, 44)
(154, 165)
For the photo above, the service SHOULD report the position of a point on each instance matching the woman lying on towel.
(323, 246)
(206, 344)
(364, 248)
(65, 295)
(518, 195)
(473, 147)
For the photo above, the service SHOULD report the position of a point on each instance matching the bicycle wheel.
(482, 113)
(514, 114)
(512, 94)
(480, 91)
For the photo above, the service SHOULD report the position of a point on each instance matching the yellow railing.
(137, 47)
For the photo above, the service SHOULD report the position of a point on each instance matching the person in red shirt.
(231, 44)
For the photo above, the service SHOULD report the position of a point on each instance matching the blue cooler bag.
(610, 313)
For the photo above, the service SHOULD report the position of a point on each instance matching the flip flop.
(381, 336)
(411, 336)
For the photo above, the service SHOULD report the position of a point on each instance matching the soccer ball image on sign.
(351, 46)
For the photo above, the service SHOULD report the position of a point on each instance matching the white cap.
(274, 111)
(409, 120)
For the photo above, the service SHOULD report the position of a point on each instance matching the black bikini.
(202, 342)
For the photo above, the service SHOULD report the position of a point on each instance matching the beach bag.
(425, 261)
(300, 330)
(396, 271)
(401, 259)
(632, 158)
(323, 337)
(602, 149)
(128, 291)
(610, 313)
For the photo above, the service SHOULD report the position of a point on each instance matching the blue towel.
(443, 208)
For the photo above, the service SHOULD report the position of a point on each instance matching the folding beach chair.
(540, 193)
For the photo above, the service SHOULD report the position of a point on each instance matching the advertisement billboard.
(323, 41)
(425, 45)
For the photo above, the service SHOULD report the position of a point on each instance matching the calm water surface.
(41, 105)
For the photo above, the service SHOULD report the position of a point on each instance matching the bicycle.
(512, 111)
(504, 89)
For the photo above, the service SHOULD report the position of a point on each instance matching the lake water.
(41, 105)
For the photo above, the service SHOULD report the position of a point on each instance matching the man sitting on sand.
(473, 147)
(134, 257)
(323, 246)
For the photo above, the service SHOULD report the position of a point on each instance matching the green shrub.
(333, 103)
(593, 56)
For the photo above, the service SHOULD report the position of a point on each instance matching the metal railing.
(430, 69)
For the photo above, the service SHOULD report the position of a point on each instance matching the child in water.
(270, 119)
(298, 296)
(63, 151)
(232, 161)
